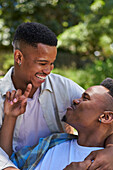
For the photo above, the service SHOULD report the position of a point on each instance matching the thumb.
(23, 105)
(28, 90)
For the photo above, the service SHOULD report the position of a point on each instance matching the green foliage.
(56, 14)
(71, 39)
(6, 61)
(102, 69)
(84, 29)
(91, 75)
(92, 37)
(81, 77)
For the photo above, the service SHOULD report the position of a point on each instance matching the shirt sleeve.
(5, 162)
(74, 90)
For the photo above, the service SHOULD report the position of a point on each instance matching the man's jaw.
(64, 118)
(70, 108)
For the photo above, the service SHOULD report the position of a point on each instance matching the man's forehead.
(97, 90)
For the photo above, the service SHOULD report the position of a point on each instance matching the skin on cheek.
(37, 64)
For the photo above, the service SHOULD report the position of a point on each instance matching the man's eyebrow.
(85, 94)
(42, 60)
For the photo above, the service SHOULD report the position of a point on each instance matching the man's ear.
(18, 57)
(106, 117)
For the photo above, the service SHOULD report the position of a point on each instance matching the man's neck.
(19, 85)
(94, 138)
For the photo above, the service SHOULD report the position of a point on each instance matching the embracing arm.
(6, 134)
(84, 165)
(103, 159)
(14, 105)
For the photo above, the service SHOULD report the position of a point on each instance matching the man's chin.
(64, 119)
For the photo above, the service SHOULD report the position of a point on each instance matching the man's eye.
(42, 64)
(85, 98)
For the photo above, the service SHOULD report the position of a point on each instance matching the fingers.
(17, 94)
(28, 90)
(8, 96)
(17, 100)
(78, 165)
(13, 96)
(85, 164)
(95, 165)
(91, 156)
(96, 158)
(23, 106)
(15, 103)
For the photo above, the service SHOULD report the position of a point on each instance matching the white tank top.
(33, 125)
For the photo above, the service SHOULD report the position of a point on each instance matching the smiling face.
(86, 110)
(36, 63)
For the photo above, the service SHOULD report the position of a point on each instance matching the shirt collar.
(46, 85)
(7, 84)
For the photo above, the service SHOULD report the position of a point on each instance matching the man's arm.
(102, 158)
(6, 134)
(78, 165)
(14, 105)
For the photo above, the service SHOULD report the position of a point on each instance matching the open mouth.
(41, 77)
(74, 106)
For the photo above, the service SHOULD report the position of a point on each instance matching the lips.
(41, 77)
(70, 108)
(73, 107)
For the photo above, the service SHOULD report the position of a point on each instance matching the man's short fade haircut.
(32, 33)
(108, 83)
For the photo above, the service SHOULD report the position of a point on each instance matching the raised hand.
(15, 102)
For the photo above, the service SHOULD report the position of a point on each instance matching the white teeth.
(43, 78)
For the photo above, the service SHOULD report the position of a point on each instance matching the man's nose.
(76, 101)
(48, 69)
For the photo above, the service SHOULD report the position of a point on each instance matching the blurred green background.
(84, 29)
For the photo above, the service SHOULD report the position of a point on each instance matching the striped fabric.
(27, 158)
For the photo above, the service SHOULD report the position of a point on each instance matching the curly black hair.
(108, 83)
(32, 33)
